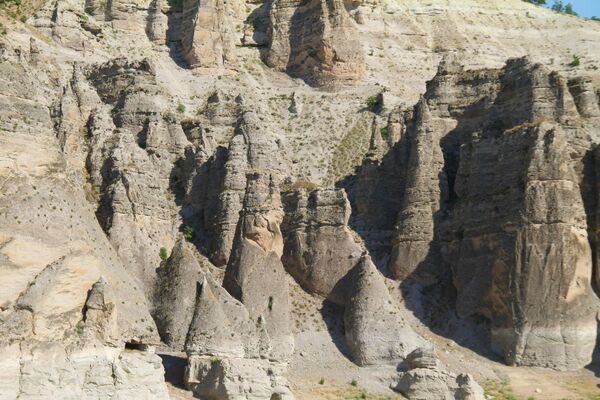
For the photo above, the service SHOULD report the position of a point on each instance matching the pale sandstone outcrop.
(375, 331)
(157, 24)
(237, 345)
(426, 380)
(316, 41)
(207, 33)
(250, 149)
(319, 248)
(175, 294)
(257, 253)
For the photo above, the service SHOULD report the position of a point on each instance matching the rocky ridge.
(161, 167)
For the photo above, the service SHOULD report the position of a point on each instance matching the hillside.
(310, 199)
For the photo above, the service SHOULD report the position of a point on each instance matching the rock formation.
(316, 41)
(425, 380)
(375, 332)
(257, 252)
(229, 351)
(175, 294)
(207, 36)
(319, 249)
(143, 144)
(492, 176)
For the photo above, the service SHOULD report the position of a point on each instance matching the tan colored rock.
(319, 248)
(315, 41)
(375, 331)
(207, 31)
(175, 294)
(255, 274)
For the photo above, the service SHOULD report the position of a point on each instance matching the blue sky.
(585, 8)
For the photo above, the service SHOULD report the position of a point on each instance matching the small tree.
(558, 6)
(569, 9)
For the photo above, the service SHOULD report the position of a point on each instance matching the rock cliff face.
(207, 37)
(495, 192)
(314, 40)
(319, 249)
(375, 332)
(285, 195)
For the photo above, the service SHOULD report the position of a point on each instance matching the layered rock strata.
(207, 33)
(316, 41)
(495, 193)
(375, 332)
(319, 248)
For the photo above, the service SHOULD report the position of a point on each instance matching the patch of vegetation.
(362, 394)
(576, 61)
(163, 254)
(384, 133)
(354, 383)
(181, 108)
(498, 390)
(594, 18)
(20, 9)
(322, 381)
(560, 7)
(372, 103)
(536, 2)
(300, 183)
(188, 233)
(83, 18)
(351, 150)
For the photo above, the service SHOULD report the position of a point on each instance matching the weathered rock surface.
(425, 380)
(175, 294)
(249, 150)
(125, 122)
(257, 253)
(493, 176)
(237, 345)
(316, 41)
(375, 332)
(207, 33)
(319, 248)
(67, 304)
(229, 352)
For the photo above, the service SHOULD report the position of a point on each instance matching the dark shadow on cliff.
(588, 191)
(174, 365)
(259, 19)
(174, 18)
(333, 316)
(196, 187)
(375, 194)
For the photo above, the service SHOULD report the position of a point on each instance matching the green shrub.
(188, 233)
(372, 103)
(384, 133)
(354, 383)
(181, 108)
(321, 381)
(576, 61)
(163, 254)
